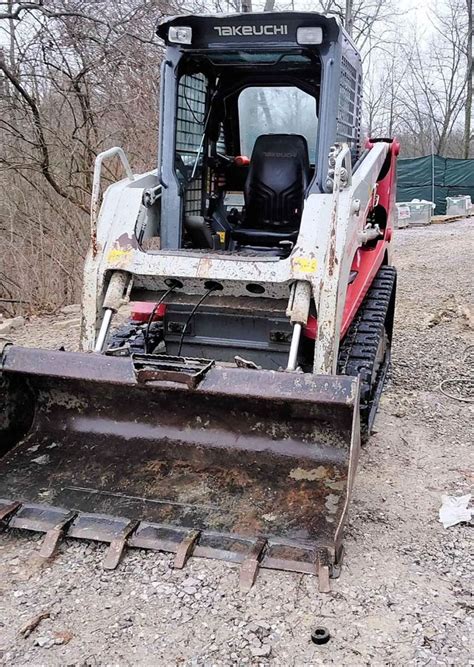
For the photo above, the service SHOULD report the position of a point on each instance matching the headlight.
(309, 35)
(180, 34)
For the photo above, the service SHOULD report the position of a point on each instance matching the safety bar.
(95, 198)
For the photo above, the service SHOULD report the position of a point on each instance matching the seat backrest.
(277, 181)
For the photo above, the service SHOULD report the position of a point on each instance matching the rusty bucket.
(250, 466)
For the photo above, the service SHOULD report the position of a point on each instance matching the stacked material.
(416, 213)
(458, 205)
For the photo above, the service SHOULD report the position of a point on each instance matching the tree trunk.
(469, 74)
(348, 19)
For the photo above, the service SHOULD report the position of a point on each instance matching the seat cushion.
(259, 237)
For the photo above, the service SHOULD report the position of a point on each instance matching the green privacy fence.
(452, 178)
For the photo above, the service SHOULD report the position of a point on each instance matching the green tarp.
(452, 178)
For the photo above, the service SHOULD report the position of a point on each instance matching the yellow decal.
(116, 254)
(221, 236)
(305, 265)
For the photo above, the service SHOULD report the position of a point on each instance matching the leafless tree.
(367, 21)
(419, 91)
(468, 130)
(76, 78)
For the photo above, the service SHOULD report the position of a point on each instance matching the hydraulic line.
(191, 315)
(152, 315)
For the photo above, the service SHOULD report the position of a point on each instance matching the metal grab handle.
(95, 197)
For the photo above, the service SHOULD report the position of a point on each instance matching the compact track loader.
(224, 419)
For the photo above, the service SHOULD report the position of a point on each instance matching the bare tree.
(367, 21)
(77, 78)
(418, 90)
(349, 17)
(435, 94)
(468, 133)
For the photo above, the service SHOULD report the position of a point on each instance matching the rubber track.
(358, 350)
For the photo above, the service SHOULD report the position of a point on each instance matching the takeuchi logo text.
(248, 30)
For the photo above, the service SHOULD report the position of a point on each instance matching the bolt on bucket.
(250, 466)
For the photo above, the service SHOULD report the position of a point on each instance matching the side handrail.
(95, 197)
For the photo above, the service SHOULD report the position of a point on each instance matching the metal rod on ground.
(295, 343)
(104, 330)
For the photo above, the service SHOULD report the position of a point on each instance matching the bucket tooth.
(323, 571)
(117, 546)
(185, 549)
(55, 535)
(250, 565)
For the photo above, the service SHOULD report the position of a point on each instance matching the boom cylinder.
(113, 299)
(298, 311)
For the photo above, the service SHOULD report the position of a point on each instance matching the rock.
(192, 583)
(63, 637)
(46, 641)
(11, 324)
(62, 324)
(259, 628)
(41, 460)
(261, 651)
(72, 309)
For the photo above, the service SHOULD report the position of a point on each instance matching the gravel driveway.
(403, 596)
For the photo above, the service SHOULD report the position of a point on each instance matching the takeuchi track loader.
(224, 419)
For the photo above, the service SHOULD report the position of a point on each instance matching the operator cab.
(241, 142)
(242, 151)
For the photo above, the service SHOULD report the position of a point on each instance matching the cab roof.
(250, 29)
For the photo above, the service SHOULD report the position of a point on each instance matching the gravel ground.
(404, 593)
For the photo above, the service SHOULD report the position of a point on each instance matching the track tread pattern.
(358, 350)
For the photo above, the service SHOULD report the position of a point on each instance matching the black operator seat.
(274, 191)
